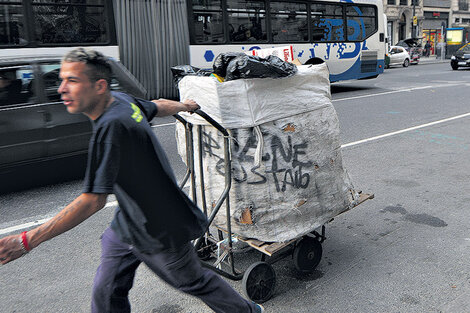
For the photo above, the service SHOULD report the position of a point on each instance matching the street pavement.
(406, 251)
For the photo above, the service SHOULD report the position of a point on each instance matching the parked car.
(34, 124)
(414, 48)
(461, 57)
(398, 56)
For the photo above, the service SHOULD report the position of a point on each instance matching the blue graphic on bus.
(354, 25)
(341, 51)
(326, 29)
(209, 56)
(350, 55)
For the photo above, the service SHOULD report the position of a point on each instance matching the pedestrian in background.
(155, 221)
(427, 49)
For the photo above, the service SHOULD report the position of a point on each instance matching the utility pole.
(415, 20)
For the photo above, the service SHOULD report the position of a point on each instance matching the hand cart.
(259, 279)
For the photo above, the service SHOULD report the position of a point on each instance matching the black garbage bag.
(249, 66)
(180, 71)
(222, 60)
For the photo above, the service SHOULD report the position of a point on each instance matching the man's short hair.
(98, 64)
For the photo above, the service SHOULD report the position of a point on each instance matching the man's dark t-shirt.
(125, 158)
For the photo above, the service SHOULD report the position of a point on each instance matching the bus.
(149, 37)
(46, 27)
(349, 35)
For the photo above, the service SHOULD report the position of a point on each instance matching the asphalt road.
(404, 139)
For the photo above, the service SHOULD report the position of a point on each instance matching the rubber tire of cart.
(259, 282)
(307, 254)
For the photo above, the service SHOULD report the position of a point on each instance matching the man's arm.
(169, 107)
(73, 214)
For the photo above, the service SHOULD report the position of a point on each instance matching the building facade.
(400, 18)
(433, 17)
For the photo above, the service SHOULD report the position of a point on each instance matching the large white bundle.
(250, 102)
(287, 173)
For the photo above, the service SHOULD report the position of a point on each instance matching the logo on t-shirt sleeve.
(137, 115)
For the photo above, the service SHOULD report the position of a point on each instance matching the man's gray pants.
(180, 268)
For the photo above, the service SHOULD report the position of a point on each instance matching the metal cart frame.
(259, 278)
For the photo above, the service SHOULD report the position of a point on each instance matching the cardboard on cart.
(285, 53)
(287, 172)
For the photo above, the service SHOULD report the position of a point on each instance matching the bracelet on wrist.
(24, 243)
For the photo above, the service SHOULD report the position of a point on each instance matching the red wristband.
(25, 241)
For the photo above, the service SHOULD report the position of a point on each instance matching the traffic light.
(415, 20)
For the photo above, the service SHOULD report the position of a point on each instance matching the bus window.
(327, 22)
(256, 5)
(12, 30)
(247, 21)
(206, 5)
(289, 22)
(208, 27)
(361, 22)
(70, 23)
(207, 21)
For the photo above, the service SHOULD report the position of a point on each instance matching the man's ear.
(101, 86)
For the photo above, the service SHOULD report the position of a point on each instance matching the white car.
(398, 56)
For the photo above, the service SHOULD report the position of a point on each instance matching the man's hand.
(73, 214)
(169, 107)
(191, 105)
(10, 248)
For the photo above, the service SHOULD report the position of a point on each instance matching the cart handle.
(209, 119)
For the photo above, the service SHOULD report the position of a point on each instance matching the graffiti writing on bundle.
(284, 162)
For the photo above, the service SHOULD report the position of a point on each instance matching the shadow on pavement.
(347, 88)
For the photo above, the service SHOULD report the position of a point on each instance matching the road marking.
(404, 130)
(23, 226)
(162, 125)
(394, 91)
(41, 221)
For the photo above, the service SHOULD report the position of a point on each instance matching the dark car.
(34, 124)
(461, 58)
(414, 48)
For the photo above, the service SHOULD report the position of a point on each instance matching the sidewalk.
(432, 60)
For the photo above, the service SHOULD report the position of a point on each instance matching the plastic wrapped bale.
(287, 172)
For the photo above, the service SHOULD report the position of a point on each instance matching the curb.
(434, 61)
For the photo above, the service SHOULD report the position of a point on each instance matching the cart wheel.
(205, 251)
(307, 254)
(259, 282)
